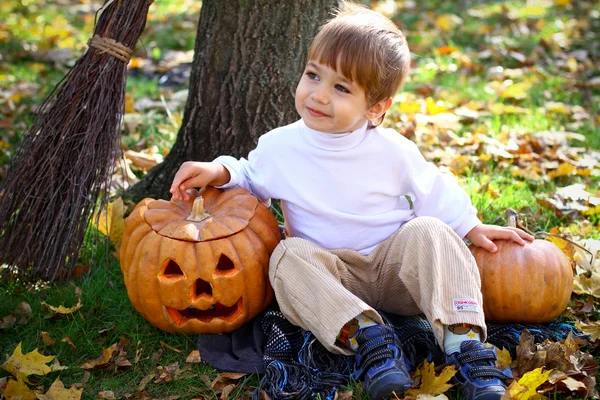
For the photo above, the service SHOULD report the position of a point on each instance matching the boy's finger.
(183, 192)
(523, 234)
(490, 246)
(486, 244)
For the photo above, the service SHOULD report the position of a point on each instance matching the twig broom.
(57, 176)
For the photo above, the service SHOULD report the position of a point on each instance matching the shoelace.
(486, 373)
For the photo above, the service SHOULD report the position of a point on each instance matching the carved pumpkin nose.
(202, 288)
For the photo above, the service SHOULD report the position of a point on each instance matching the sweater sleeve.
(437, 195)
(251, 174)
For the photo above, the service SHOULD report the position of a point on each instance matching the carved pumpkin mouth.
(218, 310)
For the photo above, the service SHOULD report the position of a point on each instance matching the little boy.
(370, 224)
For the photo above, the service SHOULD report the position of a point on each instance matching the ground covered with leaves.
(504, 96)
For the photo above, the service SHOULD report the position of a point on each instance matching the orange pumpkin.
(524, 284)
(193, 270)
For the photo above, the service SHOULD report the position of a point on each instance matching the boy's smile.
(315, 113)
(329, 102)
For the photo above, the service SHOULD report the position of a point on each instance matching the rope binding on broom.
(112, 47)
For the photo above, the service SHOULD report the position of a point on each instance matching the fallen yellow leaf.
(516, 91)
(128, 107)
(557, 107)
(564, 169)
(22, 365)
(63, 309)
(58, 392)
(18, 390)
(135, 62)
(111, 221)
(503, 358)
(434, 108)
(526, 387)
(567, 247)
(430, 382)
(447, 22)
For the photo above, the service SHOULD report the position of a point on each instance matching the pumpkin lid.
(222, 214)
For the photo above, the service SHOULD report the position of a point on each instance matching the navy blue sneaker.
(477, 375)
(380, 363)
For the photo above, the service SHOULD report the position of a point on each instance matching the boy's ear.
(378, 109)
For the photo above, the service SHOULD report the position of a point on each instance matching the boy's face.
(329, 102)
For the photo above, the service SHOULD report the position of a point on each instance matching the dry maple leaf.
(19, 316)
(343, 395)
(590, 328)
(564, 358)
(22, 365)
(172, 372)
(115, 353)
(193, 357)
(107, 394)
(58, 392)
(144, 382)
(48, 341)
(587, 285)
(227, 391)
(430, 382)
(169, 347)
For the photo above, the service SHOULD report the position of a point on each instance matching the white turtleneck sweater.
(348, 190)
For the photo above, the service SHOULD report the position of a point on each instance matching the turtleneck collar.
(333, 141)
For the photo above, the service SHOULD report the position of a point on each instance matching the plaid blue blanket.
(294, 365)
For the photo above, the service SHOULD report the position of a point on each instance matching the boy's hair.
(365, 47)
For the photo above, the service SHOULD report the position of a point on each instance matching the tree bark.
(249, 55)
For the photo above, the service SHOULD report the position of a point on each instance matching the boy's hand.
(194, 174)
(482, 236)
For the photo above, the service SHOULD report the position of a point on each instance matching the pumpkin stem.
(512, 217)
(198, 213)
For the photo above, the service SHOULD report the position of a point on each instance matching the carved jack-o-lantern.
(188, 269)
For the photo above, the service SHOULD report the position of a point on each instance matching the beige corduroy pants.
(423, 268)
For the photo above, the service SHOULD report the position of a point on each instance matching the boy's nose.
(320, 96)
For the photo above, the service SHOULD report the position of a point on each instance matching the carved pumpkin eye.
(225, 266)
(172, 270)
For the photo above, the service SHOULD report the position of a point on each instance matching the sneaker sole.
(389, 389)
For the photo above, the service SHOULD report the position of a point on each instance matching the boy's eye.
(342, 89)
(312, 75)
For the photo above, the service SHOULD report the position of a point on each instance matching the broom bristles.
(57, 176)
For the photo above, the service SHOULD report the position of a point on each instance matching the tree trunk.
(248, 58)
